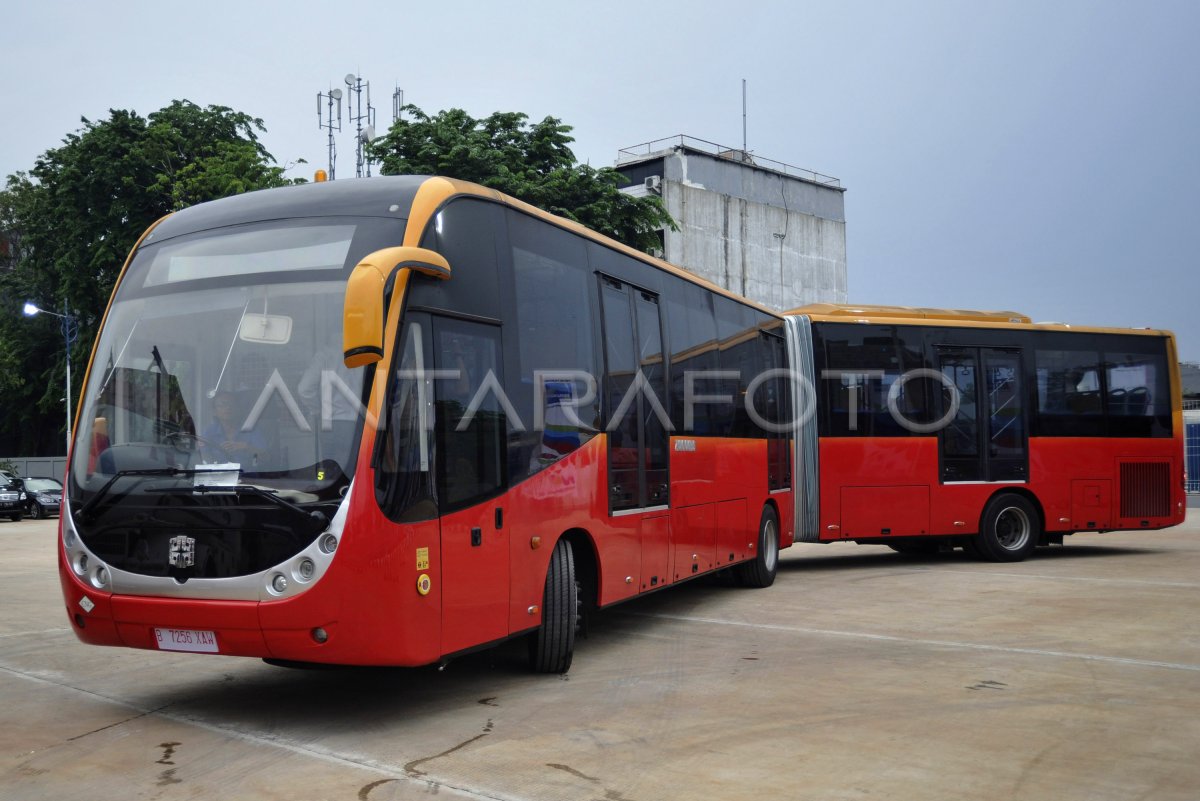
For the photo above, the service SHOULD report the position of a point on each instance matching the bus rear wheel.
(553, 644)
(1010, 529)
(760, 571)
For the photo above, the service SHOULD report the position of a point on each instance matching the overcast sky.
(1036, 156)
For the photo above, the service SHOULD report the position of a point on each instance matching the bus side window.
(553, 326)
(1138, 401)
(1069, 398)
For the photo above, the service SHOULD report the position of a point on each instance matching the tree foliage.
(68, 224)
(531, 162)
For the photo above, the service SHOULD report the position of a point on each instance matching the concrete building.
(763, 229)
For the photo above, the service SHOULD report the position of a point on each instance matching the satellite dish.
(351, 78)
(368, 134)
(336, 94)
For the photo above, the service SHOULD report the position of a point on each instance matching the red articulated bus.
(939, 428)
(387, 421)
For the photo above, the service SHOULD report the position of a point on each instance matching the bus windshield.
(220, 364)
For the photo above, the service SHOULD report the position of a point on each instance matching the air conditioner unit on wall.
(654, 184)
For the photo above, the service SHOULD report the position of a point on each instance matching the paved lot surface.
(861, 674)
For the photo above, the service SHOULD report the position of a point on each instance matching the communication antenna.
(363, 134)
(397, 104)
(327, 121)
(744, 151)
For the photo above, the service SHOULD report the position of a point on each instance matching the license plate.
(204, 642)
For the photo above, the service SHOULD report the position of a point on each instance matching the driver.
(226, 439)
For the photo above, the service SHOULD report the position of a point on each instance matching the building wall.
(774, 238)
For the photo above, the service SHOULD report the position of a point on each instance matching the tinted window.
(1138, 400)
(772, 401)
(740, 352)
(554, 331)
(404, 450)
(471, 234)
(1070, 399)
(693, 336)
(861, 363)
(470, 427)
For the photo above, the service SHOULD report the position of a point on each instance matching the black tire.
(553, 644)
(1010, 529)
(15, 517)
(36, 511)
(760, 571)
(916, 547)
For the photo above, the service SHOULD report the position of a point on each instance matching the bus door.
(638, 441)
(470, 456)
(985, 438)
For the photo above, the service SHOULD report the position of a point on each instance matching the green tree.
(70, 222)
(533, 163)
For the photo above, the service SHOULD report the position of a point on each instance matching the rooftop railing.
(637, 152)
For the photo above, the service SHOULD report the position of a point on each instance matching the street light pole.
(69, 324)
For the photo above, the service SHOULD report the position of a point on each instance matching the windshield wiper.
(313, 516)
(85, 511)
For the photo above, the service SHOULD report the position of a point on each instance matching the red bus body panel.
(876, 487)
(368, 600)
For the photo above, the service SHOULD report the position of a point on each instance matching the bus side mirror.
(363, 313)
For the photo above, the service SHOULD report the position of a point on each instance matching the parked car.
(43, 496)
(12, 499)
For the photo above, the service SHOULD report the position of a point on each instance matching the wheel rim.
(1012, 528)
(770, 546)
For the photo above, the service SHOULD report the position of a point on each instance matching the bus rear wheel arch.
(762, 569)
(1009, 530)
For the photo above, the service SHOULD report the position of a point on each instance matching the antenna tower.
(363, 134)
(328, 122)
(397, 104)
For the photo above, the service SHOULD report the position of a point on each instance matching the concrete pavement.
(860, 674)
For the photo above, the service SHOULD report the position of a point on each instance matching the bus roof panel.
(966, 318)
(389, 197)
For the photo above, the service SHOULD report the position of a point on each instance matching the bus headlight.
(305, 570)
(100, 577)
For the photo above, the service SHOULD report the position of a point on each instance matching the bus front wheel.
(1010, 529)
(760, 571)
(553, 644)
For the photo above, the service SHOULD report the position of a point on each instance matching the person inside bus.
(336, 424)
(100, 443)
(225, 438)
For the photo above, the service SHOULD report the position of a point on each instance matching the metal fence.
(1192, 450)
(47, 466)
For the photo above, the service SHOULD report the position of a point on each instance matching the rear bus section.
(983, 430)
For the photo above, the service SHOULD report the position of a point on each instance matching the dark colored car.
(12, 499)
(43, 496)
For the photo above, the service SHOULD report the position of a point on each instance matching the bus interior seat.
(1137, 401)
